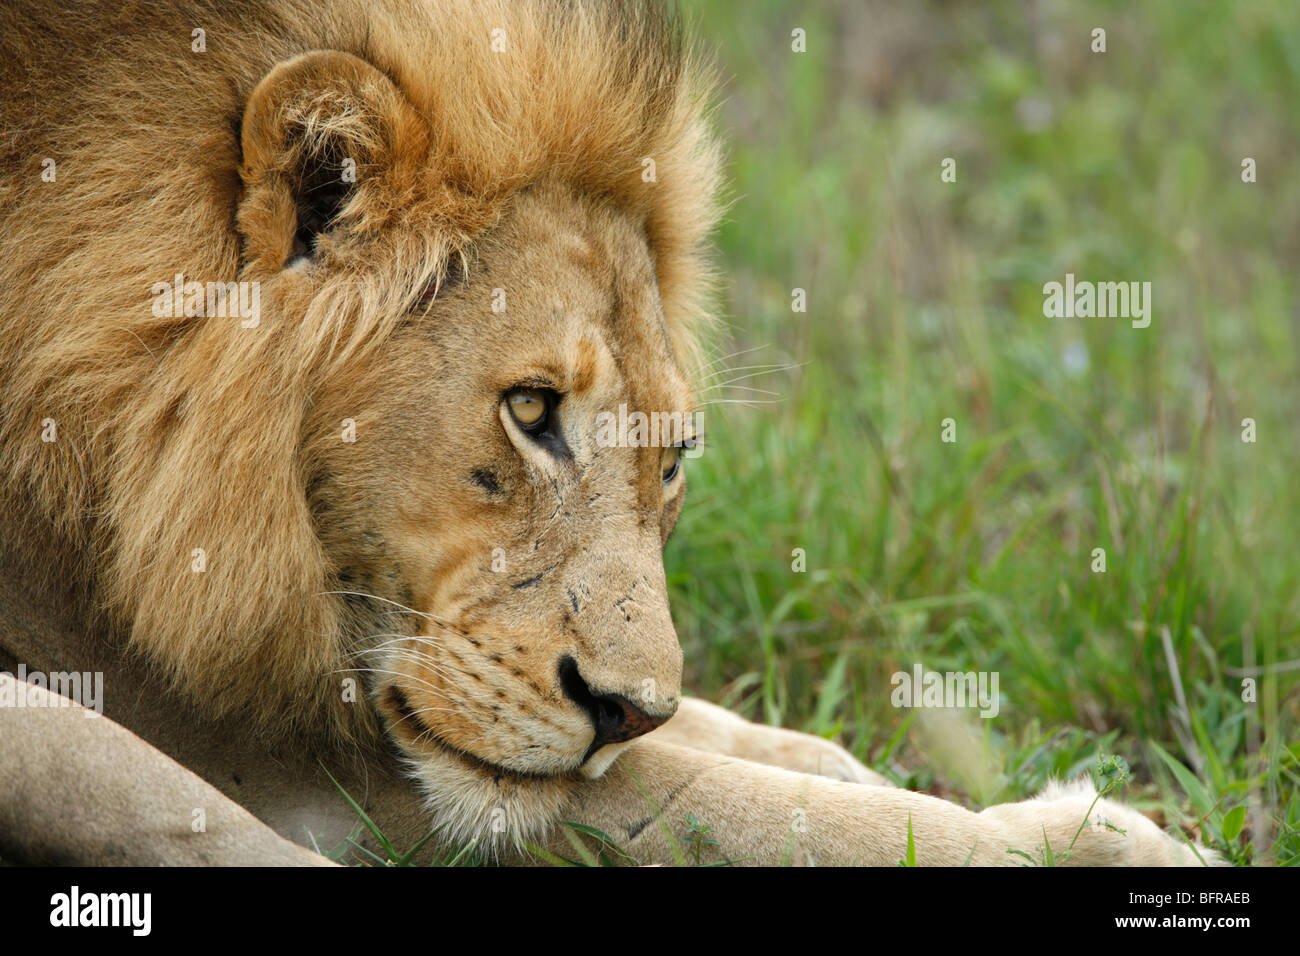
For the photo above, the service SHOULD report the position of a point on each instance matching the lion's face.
(480, 495)
(488, 514)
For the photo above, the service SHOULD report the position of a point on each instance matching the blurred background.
(925, 302)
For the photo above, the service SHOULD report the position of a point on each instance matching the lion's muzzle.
(615, 718)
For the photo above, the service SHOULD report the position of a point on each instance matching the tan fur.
(449, 562)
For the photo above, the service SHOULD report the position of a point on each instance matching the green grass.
(925, 303)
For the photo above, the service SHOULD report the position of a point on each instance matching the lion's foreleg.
(77, 788)
(765, 815)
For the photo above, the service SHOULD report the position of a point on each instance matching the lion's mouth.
(413, 729)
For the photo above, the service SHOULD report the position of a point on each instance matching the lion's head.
(473, 234)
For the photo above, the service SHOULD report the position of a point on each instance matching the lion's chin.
(494, 809)
(557, 767)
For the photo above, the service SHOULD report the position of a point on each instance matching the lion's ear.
(320, 132)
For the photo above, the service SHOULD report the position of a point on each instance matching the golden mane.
(173, 433)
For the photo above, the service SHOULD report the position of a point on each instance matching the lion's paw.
(1112, 834)
(708, 727)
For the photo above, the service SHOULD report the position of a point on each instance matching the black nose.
(615, 717)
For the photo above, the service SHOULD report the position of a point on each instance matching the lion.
(308, 312)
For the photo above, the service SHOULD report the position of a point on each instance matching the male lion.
(308, 311)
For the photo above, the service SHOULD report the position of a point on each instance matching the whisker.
(742, 373)
(722, 358)
(398, 638)
(409, 610)
(423, 660)
(430, 710)
(741, 401)
(375, 670)
(376, 597)
(414, 654)
(753, 370)
(740, 388)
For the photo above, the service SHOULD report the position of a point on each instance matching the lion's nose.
(614, 717)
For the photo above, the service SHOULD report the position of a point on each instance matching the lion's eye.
(672, 463)
(529, 407)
